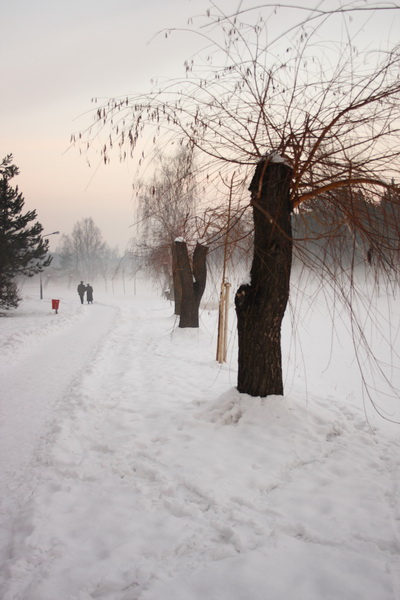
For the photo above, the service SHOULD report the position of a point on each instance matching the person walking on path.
(89, 294)
(81, 291)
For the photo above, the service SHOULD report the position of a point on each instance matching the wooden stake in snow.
(222, 343)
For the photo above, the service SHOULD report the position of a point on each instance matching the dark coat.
(89, 293)
(81, 289)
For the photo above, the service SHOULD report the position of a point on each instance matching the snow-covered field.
(132, 469)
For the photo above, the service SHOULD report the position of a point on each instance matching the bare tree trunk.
(260, 305)
(176, 280)
(193, 282)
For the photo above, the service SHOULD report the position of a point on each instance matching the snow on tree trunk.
(260, 305)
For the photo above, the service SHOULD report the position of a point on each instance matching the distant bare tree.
(166, 213)
(319, 120)
(84, 253)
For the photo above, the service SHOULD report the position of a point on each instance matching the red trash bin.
(55, 304)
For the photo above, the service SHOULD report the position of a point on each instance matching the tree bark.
(176, 281)
(193, 282)
(260, 305)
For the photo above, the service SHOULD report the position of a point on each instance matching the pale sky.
(56, 56)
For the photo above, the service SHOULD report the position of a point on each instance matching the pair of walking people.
(82, 289)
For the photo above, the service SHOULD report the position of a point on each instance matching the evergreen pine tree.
(23, 250)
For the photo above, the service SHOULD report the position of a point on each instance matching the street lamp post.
(40, 275)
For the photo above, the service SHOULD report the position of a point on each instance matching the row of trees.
(368, 231)
(170, 211)
(311, 124)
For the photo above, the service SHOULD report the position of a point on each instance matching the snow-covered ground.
(132, 469)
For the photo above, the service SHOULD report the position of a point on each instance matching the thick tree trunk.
(260, 306)
(176, 281)
(193, 283)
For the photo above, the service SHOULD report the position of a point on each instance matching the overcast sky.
(55, 56)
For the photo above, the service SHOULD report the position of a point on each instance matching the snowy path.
(35, 378)
(155, 480)
(39, 389)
